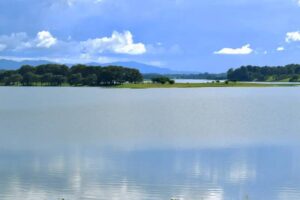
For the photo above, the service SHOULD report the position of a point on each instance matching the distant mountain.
(11, 64)
(144, 68)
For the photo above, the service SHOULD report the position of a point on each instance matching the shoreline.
(176, 85)
(202, 85)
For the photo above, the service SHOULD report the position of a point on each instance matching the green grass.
(200, 85)
(270, 79)
(273, 79)
(285, 80)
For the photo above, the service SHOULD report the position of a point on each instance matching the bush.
(162, 80)
(171, 82)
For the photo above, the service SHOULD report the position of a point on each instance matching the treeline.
(289, 73)
(77, 75)
(207, 76)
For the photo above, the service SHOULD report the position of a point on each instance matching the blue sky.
(189, 35)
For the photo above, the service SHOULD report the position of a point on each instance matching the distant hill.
(144, 68)
(11, 64)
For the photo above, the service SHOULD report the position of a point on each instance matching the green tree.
(295, 78)
(29, 79)
(55, 69)
(46, 78)
(26, 69)
(162, 80)
(75, 79)
(133, 76)
(90, 80)
(16, 78)
(171, 82)
(58, 80)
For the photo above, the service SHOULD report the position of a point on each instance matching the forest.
(77, 75)
(287, 73)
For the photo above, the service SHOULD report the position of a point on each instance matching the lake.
(151, 144)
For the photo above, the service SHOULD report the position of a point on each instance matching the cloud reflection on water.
(195, 174)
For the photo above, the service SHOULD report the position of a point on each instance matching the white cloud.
(244, 50)
(121, 43)
(73, 2)
(280, 49)
(2, 47)
(93, 50)
(21, 41)
(14, 41)
(292, 36)
(45, 39)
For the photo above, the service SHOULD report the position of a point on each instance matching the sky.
(185, 35)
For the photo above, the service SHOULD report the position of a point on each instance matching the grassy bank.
(201, 85)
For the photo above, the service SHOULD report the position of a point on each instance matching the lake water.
(156, 144)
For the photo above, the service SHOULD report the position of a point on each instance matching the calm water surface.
(189, 144)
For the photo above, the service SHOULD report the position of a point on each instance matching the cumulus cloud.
(45, 39)
(121, 43)
(102, 49)
(292, 36)
(118, 43)
(21, 41)
(280, 49)
(244, 50)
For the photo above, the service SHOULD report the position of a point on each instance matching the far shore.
(178, 85)
(203, 85)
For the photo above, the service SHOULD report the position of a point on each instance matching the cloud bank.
(117, 43)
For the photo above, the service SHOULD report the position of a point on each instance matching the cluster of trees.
(254, 73)
(77, 75)
(162, 80)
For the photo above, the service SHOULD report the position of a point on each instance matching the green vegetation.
(121, 77)
(78, 75)
(288, 73)
(162, 80)
(202, 85)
